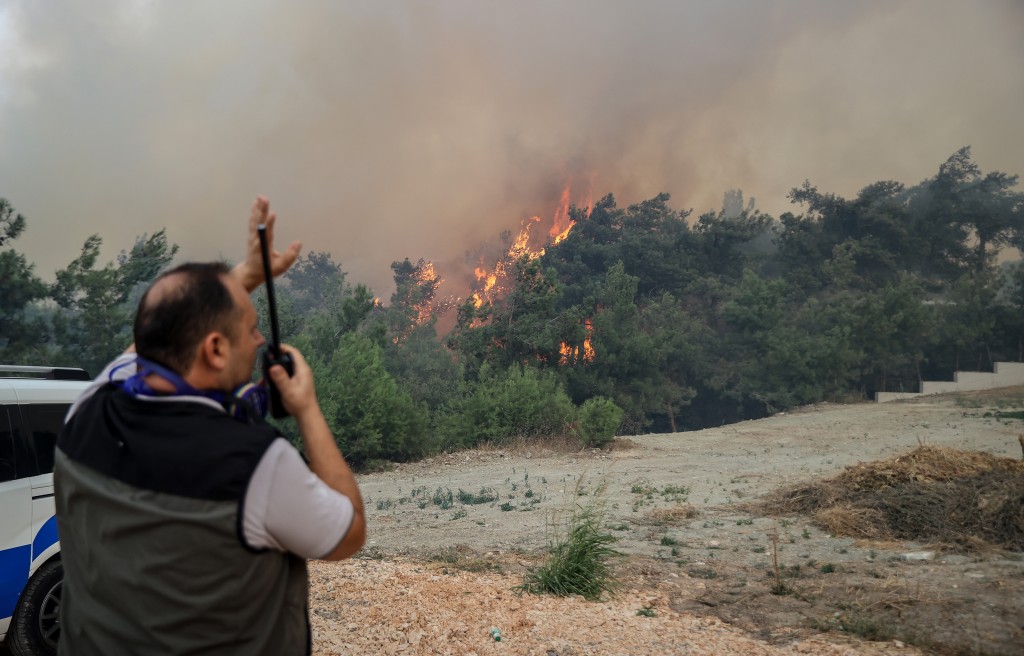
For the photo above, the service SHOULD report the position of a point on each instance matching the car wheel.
(35, 626)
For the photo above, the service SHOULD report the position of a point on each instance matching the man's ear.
(214, 351)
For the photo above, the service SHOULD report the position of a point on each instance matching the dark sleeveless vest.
(149, 501)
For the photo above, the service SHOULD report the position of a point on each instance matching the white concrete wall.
(1006, 374)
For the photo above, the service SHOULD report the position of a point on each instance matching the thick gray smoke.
(384, 130)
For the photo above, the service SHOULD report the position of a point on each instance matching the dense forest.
(641, 318)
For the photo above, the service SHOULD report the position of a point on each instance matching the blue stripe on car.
(46, 536)
(14, 564)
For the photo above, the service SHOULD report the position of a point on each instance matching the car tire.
(35, 626)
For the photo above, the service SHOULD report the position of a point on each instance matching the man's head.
(199, 321)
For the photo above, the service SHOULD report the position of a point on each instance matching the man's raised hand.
(250, 271)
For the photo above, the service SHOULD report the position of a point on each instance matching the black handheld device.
(273, 355)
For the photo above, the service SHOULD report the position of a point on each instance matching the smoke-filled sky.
(384, 130)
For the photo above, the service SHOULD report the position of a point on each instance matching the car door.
(43, 422)
(16, 510)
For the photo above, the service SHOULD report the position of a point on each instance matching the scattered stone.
(917, 555)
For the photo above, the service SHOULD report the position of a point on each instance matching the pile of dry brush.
(958, 500)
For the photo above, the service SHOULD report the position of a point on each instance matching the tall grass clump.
(579, 563)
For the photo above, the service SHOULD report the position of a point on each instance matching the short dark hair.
(169, 328)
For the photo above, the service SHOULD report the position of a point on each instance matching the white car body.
(31, 410)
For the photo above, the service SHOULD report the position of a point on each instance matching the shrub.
(519, 402)
(597, 421)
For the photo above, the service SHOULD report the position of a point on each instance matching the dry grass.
(674, 516)
(965, 500)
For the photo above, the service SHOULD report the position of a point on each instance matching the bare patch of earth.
(459, 531)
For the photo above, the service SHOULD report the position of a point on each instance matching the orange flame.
(571, 354)
(562, 224)
(494, 283)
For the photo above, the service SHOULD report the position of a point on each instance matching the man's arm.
(299, 397)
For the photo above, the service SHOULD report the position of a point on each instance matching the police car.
(33, 403)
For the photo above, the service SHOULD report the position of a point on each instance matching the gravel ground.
(398, 607)
(450, 537)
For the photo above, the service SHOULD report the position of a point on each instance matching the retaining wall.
(1005, 374)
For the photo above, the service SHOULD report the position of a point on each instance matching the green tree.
(967, 216)
(423, 367)
(22, 339)
(525, 328)
(97, 305)
(967, 321)
(628, 365)
(370, 417)
(721, 239)
(412, 304)
(894, 328)
(870, 233)
(316, 283)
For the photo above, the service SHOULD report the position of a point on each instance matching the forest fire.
(494, 283)
(572, 354)
(562, 223)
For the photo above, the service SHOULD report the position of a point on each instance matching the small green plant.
(827, 568)
(646, 611)
(485, 495)
(385, 504)
(506, 507)
(666, 541)
(806, 534)
(744, 522)
(579, 563)
(443, 498)
(642, 486)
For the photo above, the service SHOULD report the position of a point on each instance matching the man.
(185, 520)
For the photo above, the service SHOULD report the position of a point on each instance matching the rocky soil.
(452, 536)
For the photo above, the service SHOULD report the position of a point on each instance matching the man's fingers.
(259, 212)
(283, 261)
(278, 373)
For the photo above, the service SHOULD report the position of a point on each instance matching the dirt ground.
(451, 537)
